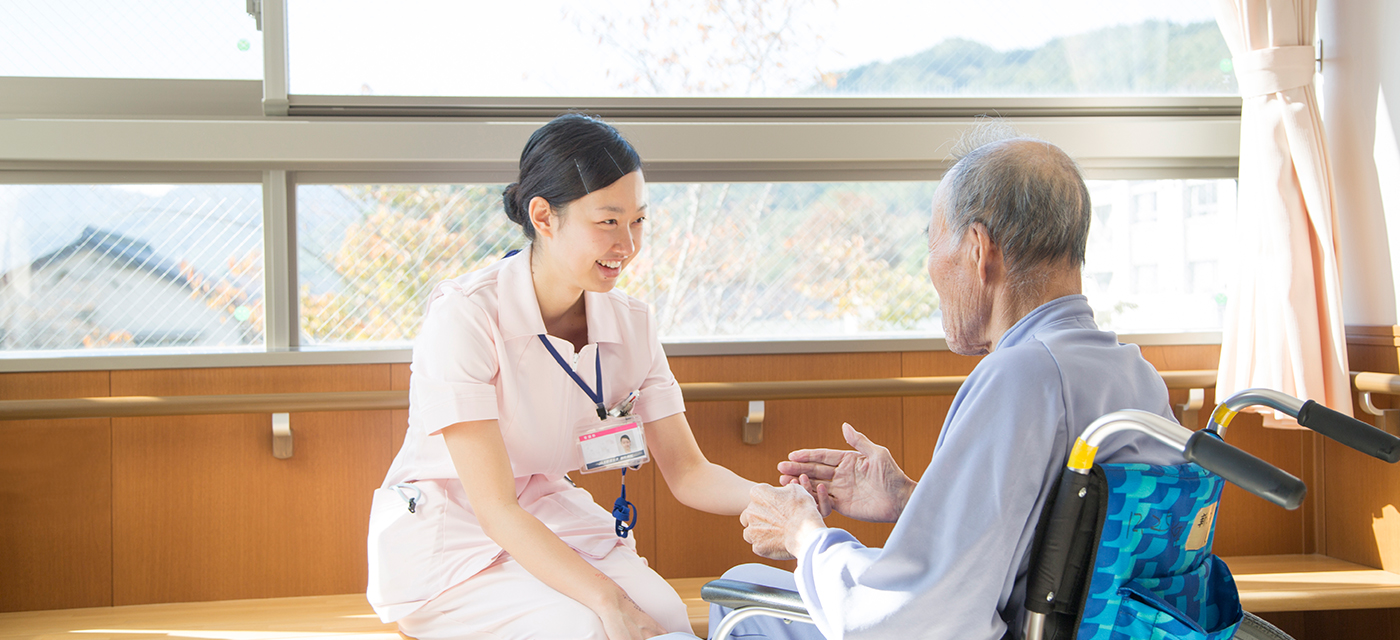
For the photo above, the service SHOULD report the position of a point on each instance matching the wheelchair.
(1123, 550)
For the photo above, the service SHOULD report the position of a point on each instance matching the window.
(149, 39)
(727, 260)
(1201, 277)
(850, 111)
(734, 48)
(1145, 207)
(102, 267)
(1145, 279)
(1201, 199)
(369, 254)
(721, 261)
(1167, 277)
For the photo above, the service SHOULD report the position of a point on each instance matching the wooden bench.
(1267, 584)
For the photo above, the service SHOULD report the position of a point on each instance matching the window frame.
(72, 130)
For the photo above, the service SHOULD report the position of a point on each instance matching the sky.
(492, 47)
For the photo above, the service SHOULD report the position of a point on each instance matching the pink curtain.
(1283, 326)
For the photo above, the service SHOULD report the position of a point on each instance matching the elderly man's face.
(966, 307)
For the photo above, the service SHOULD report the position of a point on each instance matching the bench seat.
(1311, 583)
(1266, 583)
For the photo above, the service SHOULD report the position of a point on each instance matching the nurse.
(519, 372)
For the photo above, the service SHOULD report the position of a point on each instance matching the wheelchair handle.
(1244, 470)
(1201, 447)
(1349, 431)
(1331, 423)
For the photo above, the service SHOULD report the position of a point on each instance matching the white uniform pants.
(506, 601)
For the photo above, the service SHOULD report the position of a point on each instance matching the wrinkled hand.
(864, 484)
(627, 621)
(776, 520)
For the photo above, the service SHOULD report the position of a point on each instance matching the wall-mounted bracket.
(1188, 414)
(753, 423)
(1387, 420)
(281, 435)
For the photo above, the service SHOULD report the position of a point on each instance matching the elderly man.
(1006, 249)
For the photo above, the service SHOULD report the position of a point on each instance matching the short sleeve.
(455, 364)
(660, 395)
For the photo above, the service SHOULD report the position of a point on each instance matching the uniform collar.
(520, 310)
(1071, 307)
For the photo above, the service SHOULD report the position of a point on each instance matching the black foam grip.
(1053, 549)
(1349, 431)
(1250, 473)
(735, 594)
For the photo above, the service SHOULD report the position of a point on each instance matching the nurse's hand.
(627, 621)
(864, 484)
(777, 521)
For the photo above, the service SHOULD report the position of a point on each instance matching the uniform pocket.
(403, 544)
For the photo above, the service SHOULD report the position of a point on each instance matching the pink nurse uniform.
(479, 357)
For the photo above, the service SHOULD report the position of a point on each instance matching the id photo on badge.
(613, 444)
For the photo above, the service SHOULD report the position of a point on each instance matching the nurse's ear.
(543, 217)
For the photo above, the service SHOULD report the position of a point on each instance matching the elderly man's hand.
(777, 520)
(864, 484)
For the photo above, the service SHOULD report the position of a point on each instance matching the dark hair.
(565, 160)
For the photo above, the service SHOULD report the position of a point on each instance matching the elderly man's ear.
(984, 253)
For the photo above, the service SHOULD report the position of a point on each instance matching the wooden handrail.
(133, 406)
(1371, 382)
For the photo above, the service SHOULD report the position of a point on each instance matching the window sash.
(68, 130)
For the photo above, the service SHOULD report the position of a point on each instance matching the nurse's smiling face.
(588, 244)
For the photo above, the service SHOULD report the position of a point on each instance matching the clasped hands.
(864, 484)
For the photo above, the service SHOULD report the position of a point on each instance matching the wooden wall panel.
(1293, 623)
(1248, 525)
(203, 496)
(54, 384)
(691, 543)
(204, 512)
(924, 416)
(1363, 494)
(398, 419)
(55, 498)
(55, 514)
(1353, 624)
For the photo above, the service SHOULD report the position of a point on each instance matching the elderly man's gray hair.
(1028, 193)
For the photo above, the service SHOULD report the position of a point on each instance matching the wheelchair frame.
(1205, 448)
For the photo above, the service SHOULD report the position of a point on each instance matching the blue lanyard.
(624, 512)
(597, 398)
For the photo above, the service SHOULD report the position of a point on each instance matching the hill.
(1149, 58)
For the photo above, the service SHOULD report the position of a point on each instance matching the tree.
(713, 47)
(407, 240)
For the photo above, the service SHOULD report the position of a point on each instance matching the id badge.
(612, 444)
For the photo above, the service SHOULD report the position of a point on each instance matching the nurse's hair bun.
(515, 212)
(568, 158)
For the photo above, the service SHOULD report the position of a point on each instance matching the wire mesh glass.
(1159, 255)
(90, 267)
(752, 261)
(148, 39)
(367, 255)
(743, 48)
